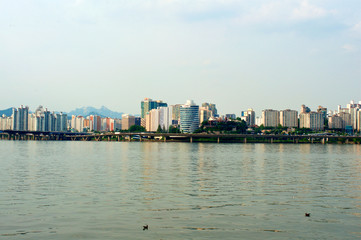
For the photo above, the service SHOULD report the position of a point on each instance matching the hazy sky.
(237, 54)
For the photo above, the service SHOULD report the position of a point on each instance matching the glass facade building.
(189, 117)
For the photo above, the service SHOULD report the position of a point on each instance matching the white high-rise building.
(289, 118)
(312, 120)
(189, 117)
(335, 122)
(346, 119)
(5, 122)
(204, 114)
(249, 117)
(270, 118)
(20, 118)
(165, 117)
(359, 121)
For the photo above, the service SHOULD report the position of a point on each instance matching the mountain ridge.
(102, 111)
(8, 112)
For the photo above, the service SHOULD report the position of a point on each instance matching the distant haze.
(237, 54)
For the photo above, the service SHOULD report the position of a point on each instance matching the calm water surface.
(109, 190)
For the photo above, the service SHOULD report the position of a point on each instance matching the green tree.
(159, 130)
(136, 128)
(173, 129)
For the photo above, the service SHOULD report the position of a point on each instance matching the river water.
(109, 190)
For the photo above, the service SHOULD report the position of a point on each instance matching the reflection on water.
(109, 190)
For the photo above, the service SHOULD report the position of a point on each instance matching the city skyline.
(238, 113)
(238, 54)
(157, 116)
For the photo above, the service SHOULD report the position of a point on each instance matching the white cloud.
(78, 2)
(283, 10)
(357, 28)
(349, 48)
(308, 11)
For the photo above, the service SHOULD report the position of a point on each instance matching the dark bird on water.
(145, 227)
(307, 214)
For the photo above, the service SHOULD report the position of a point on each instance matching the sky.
(260, 54)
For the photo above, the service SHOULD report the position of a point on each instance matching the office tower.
(270, 118)
(249, 117)
(176, 114)
(289, 118)
(230, 116)
(189, 117)
(117, 124)
(211, 107)
(148, 104)
(137, 121)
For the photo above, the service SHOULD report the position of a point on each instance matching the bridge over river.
(179, 137)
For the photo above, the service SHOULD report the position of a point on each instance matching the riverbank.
(180, 137)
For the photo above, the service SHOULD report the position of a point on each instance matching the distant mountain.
(8, 112)
(103, 112)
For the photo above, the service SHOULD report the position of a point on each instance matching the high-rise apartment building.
(127, 121)
(270, 118)
(289, 118)
(334, 122)
(312, 120)
(20, 118)
(189, 117)
(346, 119)
(305, 109)
(5, 122)
(322, 110)
(97, 122)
